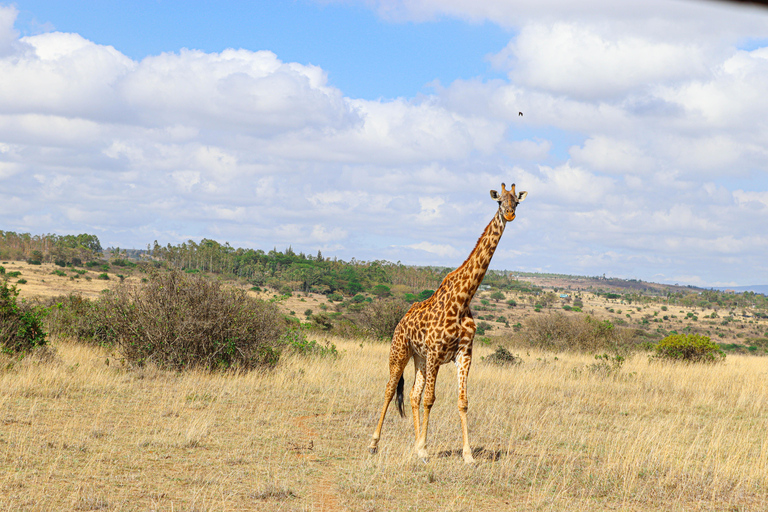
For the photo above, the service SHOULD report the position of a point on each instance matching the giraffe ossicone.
(441, 329)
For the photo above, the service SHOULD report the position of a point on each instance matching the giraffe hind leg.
(399, 356)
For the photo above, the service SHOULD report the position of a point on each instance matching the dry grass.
(42, 283)
(550, 434)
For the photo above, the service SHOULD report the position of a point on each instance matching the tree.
(381, 291)
(497, 296)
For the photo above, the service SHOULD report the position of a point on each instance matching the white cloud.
(323, 235)
(628, 144)
(442, 250)
(667, 19)
(579, 62)
(609, 155)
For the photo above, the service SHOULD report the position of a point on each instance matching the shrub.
(380, 318)
(60, 273)
(693, 348)
(606, 364)
(103, 276)
(121, 262)
(381, 290)
(21, 281)
(15, 273)
(77, 317)
(335, 297)
(178, 320)
(420, 297)
(497, 296)
(296, 340)
(502, 357)
(482, 327)
(558, 332)
(323, 320)
(21, 328)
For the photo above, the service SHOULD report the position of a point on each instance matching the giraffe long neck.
(473, 270)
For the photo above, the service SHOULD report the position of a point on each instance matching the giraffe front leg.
(432, 368)
(417, 391)
(463, 362)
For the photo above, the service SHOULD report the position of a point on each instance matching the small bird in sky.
(519, 113)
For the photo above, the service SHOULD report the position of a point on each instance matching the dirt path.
(324, 492)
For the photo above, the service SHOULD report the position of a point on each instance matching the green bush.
(178, 320)
(381, 290)
(74, 316)
(420, 297)
(482, 327)
(693, 348)
(296, 340)
(103, 276)
(21, 327)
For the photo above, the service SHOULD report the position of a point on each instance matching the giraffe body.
(441, 329)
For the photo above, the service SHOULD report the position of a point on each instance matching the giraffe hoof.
(373, 450)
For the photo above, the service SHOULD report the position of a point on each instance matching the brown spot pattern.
(441, 329)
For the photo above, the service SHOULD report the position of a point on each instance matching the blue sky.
(364, 56)
(374, 129)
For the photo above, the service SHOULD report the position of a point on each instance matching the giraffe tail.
(400, 385)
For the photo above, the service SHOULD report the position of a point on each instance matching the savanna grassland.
(80, 432)
(81, 428)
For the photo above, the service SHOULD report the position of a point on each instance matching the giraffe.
(441, 329)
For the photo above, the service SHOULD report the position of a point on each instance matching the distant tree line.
(290, 271)
(49, 248)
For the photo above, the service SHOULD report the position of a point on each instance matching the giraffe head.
(508, 201)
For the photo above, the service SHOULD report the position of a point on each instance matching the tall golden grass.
(554, 433)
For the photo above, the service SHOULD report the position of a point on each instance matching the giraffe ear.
(521, 196)
(495, 195)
